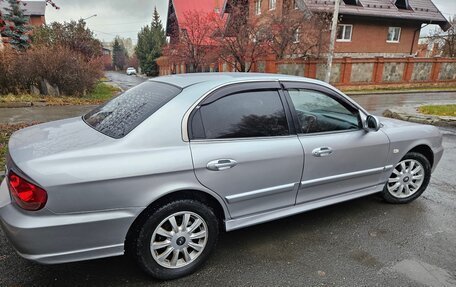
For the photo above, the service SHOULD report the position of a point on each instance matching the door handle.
(322, 152)
(221, 164)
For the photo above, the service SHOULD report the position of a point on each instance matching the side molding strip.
(260, 193)
(329, 179)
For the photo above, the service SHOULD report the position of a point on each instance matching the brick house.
(175, 27)
(35, 10)
(368, 28)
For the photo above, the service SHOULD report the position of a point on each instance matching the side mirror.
(372, 124)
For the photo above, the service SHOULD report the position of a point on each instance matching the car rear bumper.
(53, 238)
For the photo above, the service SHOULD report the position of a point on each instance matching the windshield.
(121, 115)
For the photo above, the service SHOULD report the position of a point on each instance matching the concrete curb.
(22, 105)
(412, 115)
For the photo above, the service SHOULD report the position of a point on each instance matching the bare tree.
(446, 39)
(241, 40)
(196, 45)
(295, 33)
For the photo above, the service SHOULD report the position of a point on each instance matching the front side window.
(257, 7)
(394, 34)
(344, 33)
(272, 4)
(241, 115)
(318, 112)
(122, 114)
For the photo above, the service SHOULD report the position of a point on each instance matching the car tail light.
(27, 195)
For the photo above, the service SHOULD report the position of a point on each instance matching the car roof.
(185, 80)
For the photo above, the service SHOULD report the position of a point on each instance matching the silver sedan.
(160, 170)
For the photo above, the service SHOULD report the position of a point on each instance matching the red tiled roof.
(206, 6)
(180, 9)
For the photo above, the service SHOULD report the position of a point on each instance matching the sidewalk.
(41, 114)
(410, 113)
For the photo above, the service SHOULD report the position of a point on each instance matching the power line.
(115, 33)
(126, 23)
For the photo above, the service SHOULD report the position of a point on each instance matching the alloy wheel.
(179, 239)
(406, 179)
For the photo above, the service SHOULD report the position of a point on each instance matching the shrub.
(69, 70)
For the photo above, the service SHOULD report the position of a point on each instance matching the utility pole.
(332, 42)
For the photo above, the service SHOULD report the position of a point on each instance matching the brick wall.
(37, 20)
(369, 38)
(369, 35)
(374, 71)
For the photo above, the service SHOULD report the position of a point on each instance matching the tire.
(414, 182)
(177, 239)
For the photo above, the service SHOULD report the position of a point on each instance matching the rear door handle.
(322, 152)
(221, 164)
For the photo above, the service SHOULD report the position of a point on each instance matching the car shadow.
(253, 245)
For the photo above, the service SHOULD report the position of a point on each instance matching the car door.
(339, 155)
(245, 149)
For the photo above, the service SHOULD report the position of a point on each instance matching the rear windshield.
(122, 114)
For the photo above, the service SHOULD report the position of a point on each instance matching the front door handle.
(322, 152)
(221, 164)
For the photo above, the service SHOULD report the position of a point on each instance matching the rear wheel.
(409, 179)
(176, 240)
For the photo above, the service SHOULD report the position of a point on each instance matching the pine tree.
(17, 26)
(119, 54)
(151, 40)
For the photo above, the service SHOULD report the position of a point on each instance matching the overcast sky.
(114, 17)
(126, 17)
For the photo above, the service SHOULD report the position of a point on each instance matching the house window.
(297, 35)
(272, 4)
(257, 7)
(402, 4)
(352, 2)
(394, 34)
(296, 5)
(344, 33)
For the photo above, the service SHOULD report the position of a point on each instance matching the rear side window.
(241, 115)
(121, 115)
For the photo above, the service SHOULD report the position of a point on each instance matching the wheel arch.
(220, 211)
(426, 151)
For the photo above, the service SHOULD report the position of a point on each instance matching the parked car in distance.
(131, 71)
(159, 171)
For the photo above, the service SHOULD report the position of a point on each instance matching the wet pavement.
(365, 242)
(123, 80)
(377, 103)
(53, 113)
(41, 114)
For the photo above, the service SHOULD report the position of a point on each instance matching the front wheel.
(409, 179)
(176, 240)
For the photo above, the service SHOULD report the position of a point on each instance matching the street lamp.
(94, 15)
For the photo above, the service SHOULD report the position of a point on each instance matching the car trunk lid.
(53, 140)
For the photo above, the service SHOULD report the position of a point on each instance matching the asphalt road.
(123, 80)
(365, 242)
(53, 113)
